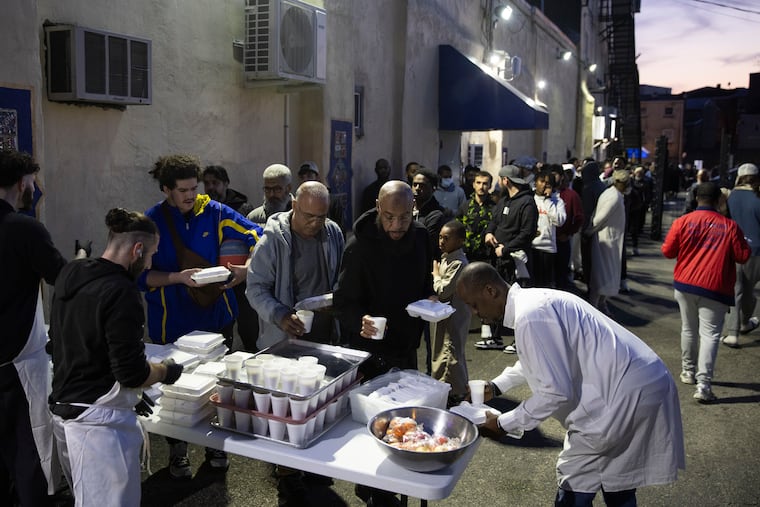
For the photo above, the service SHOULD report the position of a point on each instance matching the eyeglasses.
(273, 190)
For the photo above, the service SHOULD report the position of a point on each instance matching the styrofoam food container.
(199, 342)
(210, 369)
(190, 387)
(431, 311)
(182, 419)
(184, 406)
(211, 275)
(214, 355)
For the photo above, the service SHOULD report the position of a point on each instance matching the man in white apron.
(27, 255)
(96, 328)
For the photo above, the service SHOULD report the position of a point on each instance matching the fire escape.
(616, 17)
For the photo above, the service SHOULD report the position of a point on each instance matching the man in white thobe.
(607, 233)
(608, 389)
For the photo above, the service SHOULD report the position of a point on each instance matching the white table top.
(346, 452)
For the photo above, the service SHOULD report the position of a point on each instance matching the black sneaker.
(217, 459)
(179, 464)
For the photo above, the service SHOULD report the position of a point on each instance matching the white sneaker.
(751, 325)
(489, 344)
(704, 394)
(511, 349)
(687, 377)
(730, 341)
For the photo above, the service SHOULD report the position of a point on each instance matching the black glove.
(173, 370)
(143, 407)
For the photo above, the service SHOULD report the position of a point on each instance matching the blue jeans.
(625, 498)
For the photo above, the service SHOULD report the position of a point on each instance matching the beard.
(136, 268)
(26, 199)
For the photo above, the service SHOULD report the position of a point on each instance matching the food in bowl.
(405, 433)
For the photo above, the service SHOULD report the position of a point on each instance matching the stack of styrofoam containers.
(207, 346)
(401, 388)
(186, 402)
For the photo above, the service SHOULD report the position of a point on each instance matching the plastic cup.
(271, 374)
(260, 425)
(307, 381)
(225, 393)
(308, 359)
(288, 378)
(319, 421)
(307, 317)
(379, 323)
(332, 411)
(310, 425)
(224, 416)
(299, 409)
(477, 391)
(242, 397)
(233, 365)
(276, 429)
(263, 401)
(280, 404)
(254, 369)
(265, 357)
(319, 369)
(242, 422)
(296, 433)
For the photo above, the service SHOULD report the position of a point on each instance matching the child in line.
(450, 334)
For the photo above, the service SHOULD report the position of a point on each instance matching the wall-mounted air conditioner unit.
(285, 40)
(86, 65)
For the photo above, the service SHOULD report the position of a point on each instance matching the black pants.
(20, 466)
(542, 268)
(562, 265)
(247, 320)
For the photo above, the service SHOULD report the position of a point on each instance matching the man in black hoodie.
(386, 265)
(99, 364)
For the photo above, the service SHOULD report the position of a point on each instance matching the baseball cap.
(747, 170)
(512, 172)
(309, 166)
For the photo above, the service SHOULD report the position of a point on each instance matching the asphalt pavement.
(722, 439)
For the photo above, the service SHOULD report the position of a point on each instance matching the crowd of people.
(474, 245)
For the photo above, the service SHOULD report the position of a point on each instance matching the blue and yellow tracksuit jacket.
(171, 312)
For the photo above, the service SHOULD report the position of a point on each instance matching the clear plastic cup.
(224, 417)
(307, 317)
(242, 397)
(254, 369)
(242, 422)
(299, 409)
(307, 381)
(233, 365)
(271, 371)
(288, 378)
(308, 359)
(319, 369)
(225, 393)
(265, 357)
(260, 425)
(276, 430)
(296, 433)
(263, 401)
(280, 404)
(477, 391)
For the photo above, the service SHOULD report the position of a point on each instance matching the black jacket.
(379, 277)
(515, 221)
(433, 217)
(96, 328)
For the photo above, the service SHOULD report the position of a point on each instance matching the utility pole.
(660, 164)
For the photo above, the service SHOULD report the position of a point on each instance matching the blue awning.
(471, 98)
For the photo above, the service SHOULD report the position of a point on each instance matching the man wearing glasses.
(277, 197)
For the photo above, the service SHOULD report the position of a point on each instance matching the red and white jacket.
(707, 246)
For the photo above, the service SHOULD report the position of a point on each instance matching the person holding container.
(608, 389)
(99, 364)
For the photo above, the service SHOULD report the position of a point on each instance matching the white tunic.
(608, 222)
(608, 389)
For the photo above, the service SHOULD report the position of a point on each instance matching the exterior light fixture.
(564, 54)
(494, 58)
(502, 11)
(592, 67)
(541, 84)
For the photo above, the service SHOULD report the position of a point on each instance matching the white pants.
(701, 324)
(102, 449)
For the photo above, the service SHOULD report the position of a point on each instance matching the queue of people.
(477, 252)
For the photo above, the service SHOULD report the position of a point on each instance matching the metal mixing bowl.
(435, 421)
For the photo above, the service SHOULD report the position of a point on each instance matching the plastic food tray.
(431, 311)
(341, 399)
(199, 342)
(211, 275)
(342, 365)
(211, 369)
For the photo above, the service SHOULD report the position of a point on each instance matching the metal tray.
(340, 361)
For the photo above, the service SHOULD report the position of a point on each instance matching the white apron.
(33, 369)
(100, 450)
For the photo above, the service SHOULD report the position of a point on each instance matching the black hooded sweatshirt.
(96, 329)
(379, 277)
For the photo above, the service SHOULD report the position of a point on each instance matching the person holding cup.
(298, 257)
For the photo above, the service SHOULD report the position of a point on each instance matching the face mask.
(447, 182)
